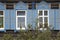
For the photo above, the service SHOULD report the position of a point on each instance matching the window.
(1, 20)
(9, 6)
(40, 13)
(21, 13)
(54, 6)
(43, 18)
(34, 6)
(21, 19)
(31, 6)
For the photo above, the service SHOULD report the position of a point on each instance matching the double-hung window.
(21, 19)
(43, 17)
(1, 20)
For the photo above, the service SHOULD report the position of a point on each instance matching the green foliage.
(31, 34)
(7, 37)
(27, 35)
(46, 35)
(34, 35)
(58, 36)
(22, 35)
(29, 27)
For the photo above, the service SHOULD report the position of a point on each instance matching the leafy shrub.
(58, 36)
(22, 35)
(46, 35)
(7, 37)
(34, 35)
(29, 27)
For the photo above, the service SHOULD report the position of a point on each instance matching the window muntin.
(21, 19)
(43, 19)
(1, 19)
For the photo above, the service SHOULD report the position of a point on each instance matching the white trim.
(21, 16)
(48, 18)
(43, 29)
(43, 17)
(1, 15)
(3, 19)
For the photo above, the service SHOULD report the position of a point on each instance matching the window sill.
(43, 29)
(1, 28)
(20, 28)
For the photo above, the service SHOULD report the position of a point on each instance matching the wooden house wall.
(32, 14)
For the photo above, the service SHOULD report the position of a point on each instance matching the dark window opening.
(9, 6)
(20, 13)
(34, 6)
(54, 6)
(1, 12)
(31, 6)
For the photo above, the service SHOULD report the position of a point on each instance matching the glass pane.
(45, 13)
(45, 25)
(21, 22)
(40, 19)
(20, 12)
(40, 25)
(45, 22)
(1, 22)
(40, 22)
(1, 12)
(40, 13)
(45, 19)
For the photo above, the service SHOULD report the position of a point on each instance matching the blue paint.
(32, 15)
(33, 5)
(21, 6)
(57, 27)
(54, 19)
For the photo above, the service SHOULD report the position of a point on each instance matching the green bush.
(46, 35)
(58, 36)
(22, 35)
(34, 35)
(7, 37)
